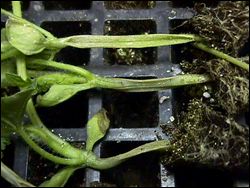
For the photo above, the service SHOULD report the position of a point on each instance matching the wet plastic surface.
(126, 131)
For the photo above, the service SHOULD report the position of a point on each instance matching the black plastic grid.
(94, 15)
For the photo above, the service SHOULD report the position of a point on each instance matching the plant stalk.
(222, 55)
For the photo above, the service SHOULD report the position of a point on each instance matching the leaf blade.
(60, 93)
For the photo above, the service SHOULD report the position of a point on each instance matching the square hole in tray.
(70, 55)
(190, 4)
(177, 51)
(7, 5)
(72, 113)
(129, 56)
(131, 110)
(140, 171)
(41, 169)
(8, 160)
(202, 177)
(66, 5)
(2, 25)
(129, 5)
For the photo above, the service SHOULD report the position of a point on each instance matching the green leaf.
(15, 80)
(60, 93)
(7, 66)
(60, 178)
(13, 107)
(130, 41)
(5, 45)
(96, 128)
(24, 37)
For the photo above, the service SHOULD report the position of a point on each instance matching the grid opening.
(70, 55)
(190, 4)
(178, 51)
(131, 110)
(72, 113)
(2, 25)
(8, 160)
(47, 169)
(139, 171)
(7, 5)
(67, 5)
(202, 177)
(129, 56)
(127, 5)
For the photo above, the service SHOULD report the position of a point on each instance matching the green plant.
(27, 53)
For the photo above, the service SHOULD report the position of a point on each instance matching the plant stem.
(80, 71)
(51, 139)
(128, 85)
(131, 85)
(45, 154)
(105, 163)
(13, 178)
(16, 6)
(222, 55)
(62, 148)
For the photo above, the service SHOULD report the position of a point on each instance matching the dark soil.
(70, 55)
(66, 5)
(131, 110)
(140, 171)
(129, 4)
(72, 113)
(40, 170)
(8, 160)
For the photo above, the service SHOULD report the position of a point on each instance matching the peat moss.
(205, 136)
(206, 133)
(226, 27)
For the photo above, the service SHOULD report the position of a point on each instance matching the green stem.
(222, 55)
(13, 178)
(62, 148)
(105, 163)
(61, 177)
(77, 70)
(130, 85)
(52, 140)
(47, 155)
(16, 6)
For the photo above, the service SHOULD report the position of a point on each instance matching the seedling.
(33, 49)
